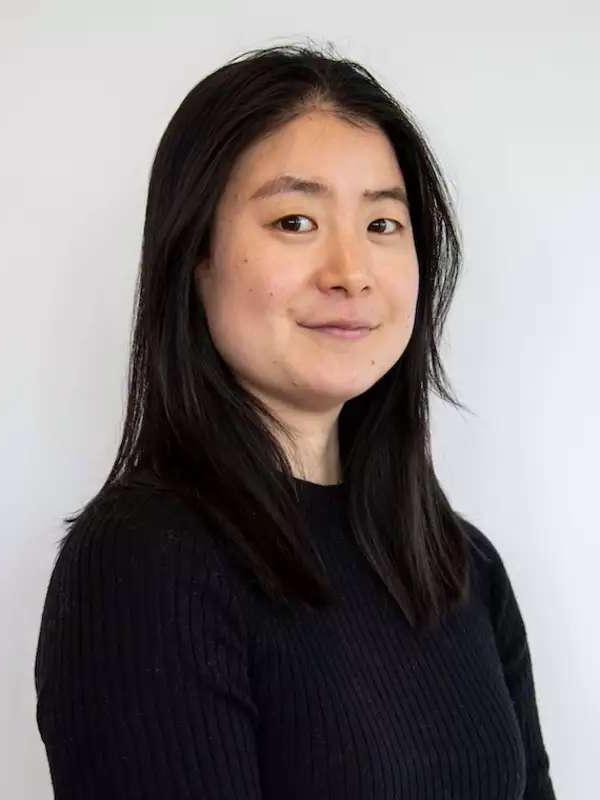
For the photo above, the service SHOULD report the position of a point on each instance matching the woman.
(271, 596)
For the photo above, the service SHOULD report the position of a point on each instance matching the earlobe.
(200, 272)
(202, 265)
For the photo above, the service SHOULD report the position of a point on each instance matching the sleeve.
(141, 668)
(513, 648)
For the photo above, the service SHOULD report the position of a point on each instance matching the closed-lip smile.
(347, 323)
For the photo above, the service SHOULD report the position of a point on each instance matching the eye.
(289, 217)
(395, 221)
(301, 216)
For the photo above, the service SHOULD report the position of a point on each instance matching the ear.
(201, 273)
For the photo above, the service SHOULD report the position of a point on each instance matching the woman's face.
(338, 254)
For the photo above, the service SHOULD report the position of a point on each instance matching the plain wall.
(508, 98)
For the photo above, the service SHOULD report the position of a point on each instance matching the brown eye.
(384, 220)
(293, 218)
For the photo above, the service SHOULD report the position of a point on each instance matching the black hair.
(191, 428)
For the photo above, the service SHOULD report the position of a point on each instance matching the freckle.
(245, 261)
(372, 362)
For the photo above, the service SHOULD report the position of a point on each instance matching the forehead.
(326, 154)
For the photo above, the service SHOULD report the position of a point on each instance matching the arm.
(513, 648)
(141, 671)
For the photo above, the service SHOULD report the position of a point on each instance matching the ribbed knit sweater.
(159, 675)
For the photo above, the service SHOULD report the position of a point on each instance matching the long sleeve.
(141, 668)
(513, 648)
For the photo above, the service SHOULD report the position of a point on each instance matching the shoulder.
(142, 516)
(139, 580)
(140, 539)
(482, 549)
(494, 577)
(487, 562)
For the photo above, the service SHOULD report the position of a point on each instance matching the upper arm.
(513, 649)
(141, 670)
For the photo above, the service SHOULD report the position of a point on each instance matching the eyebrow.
(291, 183)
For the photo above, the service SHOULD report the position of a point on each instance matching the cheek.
(251, 297)
(262, 289)
(404, 294)
(411, 298)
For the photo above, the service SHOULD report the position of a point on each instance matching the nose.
(345, 265)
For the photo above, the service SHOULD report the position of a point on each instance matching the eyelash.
(299, 216)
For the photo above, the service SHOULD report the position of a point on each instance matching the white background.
(508, 97)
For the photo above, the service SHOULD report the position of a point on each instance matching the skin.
(336, 255)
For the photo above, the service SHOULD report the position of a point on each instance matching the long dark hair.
(192, 429)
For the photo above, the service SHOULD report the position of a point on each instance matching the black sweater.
(159, 675)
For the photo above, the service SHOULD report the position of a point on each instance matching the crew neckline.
(318, 486)
(320, 494)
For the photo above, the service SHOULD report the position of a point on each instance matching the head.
(230, 388)
(313, 226)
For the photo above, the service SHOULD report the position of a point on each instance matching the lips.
(341, 333)
(344, 324)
